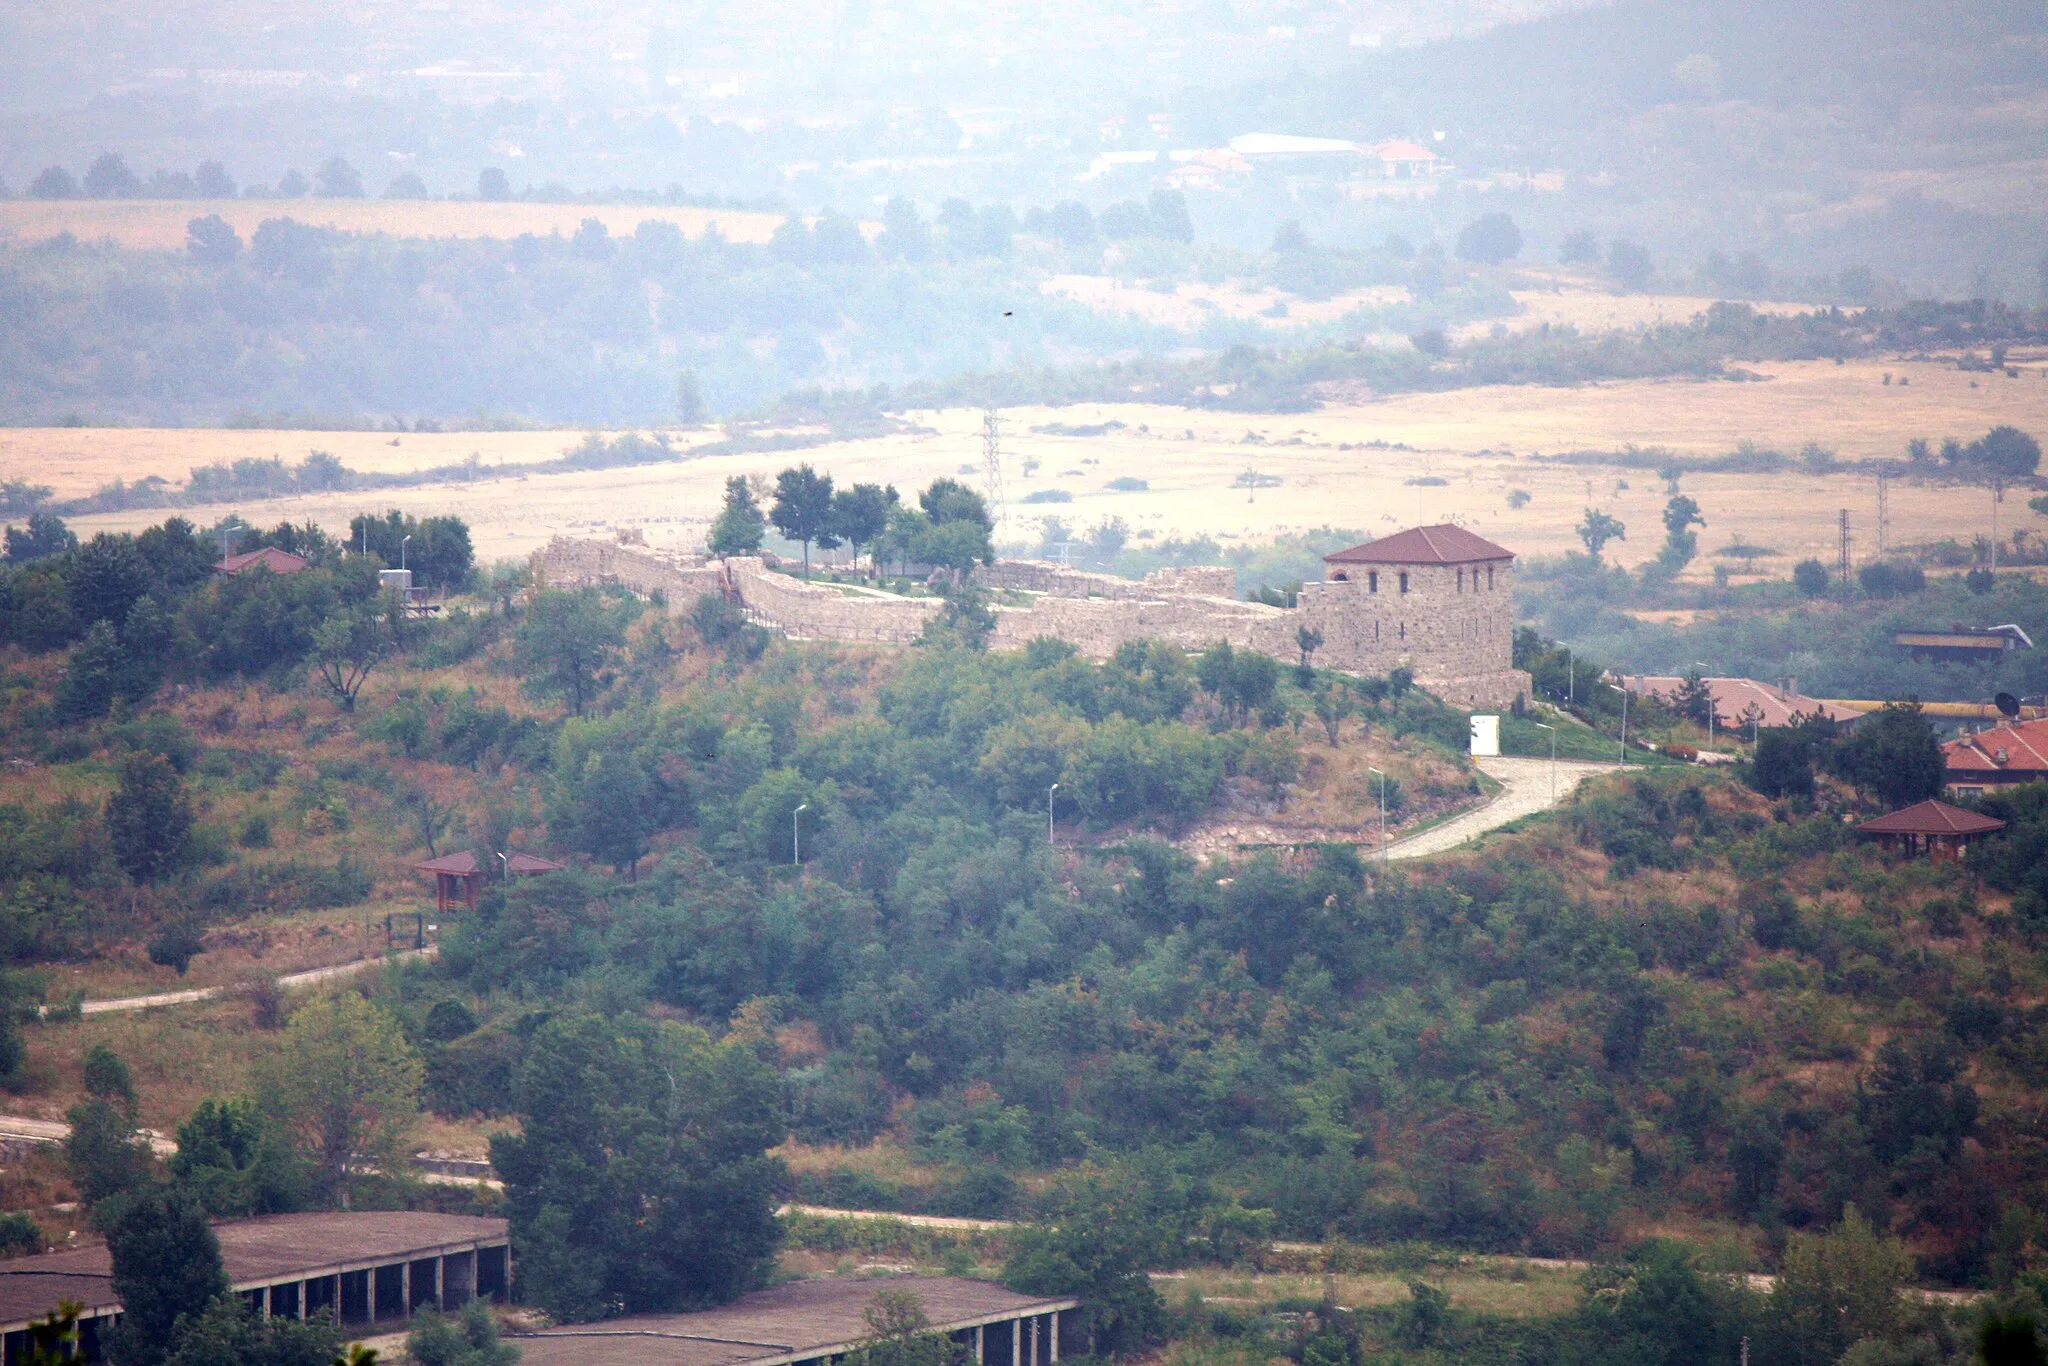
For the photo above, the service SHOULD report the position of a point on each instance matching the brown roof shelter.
(269, 557)
(1442, 544)
(1933, 828)
(810, 1323)
(458, 877)
(360, 1269)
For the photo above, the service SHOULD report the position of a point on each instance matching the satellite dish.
(2007, 704)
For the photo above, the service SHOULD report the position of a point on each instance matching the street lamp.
(1624, 723)
(1383, 813)
(1713, 710)
(796, 837)
(401, 550)
(1048, 813)
(1553, 760)
(1571, 679)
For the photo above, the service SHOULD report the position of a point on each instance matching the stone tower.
(1438, 600)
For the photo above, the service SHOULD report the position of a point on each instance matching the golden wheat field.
(159, 224)
(1481, 444)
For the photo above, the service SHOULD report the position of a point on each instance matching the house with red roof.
(269, 557)
(2004, 756)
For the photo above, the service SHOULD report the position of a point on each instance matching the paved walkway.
(1526, 788)
(290, 980)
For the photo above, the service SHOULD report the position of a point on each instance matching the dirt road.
(291, 980)
(1527, 786)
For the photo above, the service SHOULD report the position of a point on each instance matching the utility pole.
(1997, 497)
(796, 836)
(1842, 555)
(1050, 838)
(1383, 813)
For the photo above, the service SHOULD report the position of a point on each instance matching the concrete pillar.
(405, 1291)
(1052, 1322)
(980, 1342)
(1016, 1342)
(441, 1283)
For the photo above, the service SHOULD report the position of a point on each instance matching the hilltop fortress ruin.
(1437, 599)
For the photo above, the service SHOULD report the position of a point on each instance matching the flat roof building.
(807, 1323)
(365, 1268)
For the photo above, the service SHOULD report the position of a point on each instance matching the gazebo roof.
(525, 865)
(1932, 818)
(1442, 544)
(460, 865)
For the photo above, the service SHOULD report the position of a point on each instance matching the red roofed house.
(269, 557)
(2014, 753)
(1438, 600)
(1736, 700)
(1933, 828)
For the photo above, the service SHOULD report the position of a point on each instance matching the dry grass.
(1478, 440)
(160, 224)
(881, 1160)
(1508, 1289)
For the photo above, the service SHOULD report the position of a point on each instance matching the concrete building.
(810, 1323)
(369, 1268)
(2004, 756)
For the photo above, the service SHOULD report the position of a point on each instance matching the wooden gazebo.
(1933, 828)
(459, 877)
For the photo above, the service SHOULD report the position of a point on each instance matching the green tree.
(104, 1154)
(149, 819)
(92, 677)
(346, 648)
(1629, 266)
(466, 1339)
(107, 1077)
(602, 802)
(689, 399)
(346, 1085)
(1333, 704)
(803, 509)
(166, 1264)
(1893, 754)
(899, 1333)
(1598, 530)
(1783, 763)
(1836, 1289)
(438, 552)
(1810, 577)
(740, 523)
(2010, 1340)
(1695, 700)
(44, 536)
(237, 1161)
(1308, 640)
(2005, 452)
(860, 515)
(1098, 1242)
(567, 642)
(640, 1181)
(1681, 542)
(1490, 239)
(228, 1333)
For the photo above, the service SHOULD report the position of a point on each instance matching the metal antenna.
(1843, 554)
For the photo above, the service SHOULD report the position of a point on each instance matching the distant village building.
(2005, 756)
(1738, 701)
(1932, 828)
(1437, 600)
(1964, 644)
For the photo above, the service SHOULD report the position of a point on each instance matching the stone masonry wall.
(1454, 629)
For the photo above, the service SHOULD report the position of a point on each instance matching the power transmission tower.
(1884, 513)
(1843, 559)
(992, 462)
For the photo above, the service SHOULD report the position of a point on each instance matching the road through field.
(1526, 788)
(289, 981)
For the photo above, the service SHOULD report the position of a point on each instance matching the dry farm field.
(159, 224)
(1374, 466)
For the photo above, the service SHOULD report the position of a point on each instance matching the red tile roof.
(522, 865)
(1735, 696)
(461, 865)
(2019, 747)
(269, 557)
(1932, 818)
(1442, 544)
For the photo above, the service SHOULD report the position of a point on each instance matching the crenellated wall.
(1452, 627)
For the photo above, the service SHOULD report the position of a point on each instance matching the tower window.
(1461, 581)
(1489, 578)
(1404, 581)
(1372, 580)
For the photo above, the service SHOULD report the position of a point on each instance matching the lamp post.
(1713, 710)
(1048, 813)
(1383, 813)
(796, 835)
(403, 542)
(1623, 760)
(1571, 679)
(1553, 760)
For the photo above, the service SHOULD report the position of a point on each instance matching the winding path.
(1526, 788)
(310, 977)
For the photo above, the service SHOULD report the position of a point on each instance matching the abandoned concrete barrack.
(365, 1269)
(1438, 601)
(813, 1323)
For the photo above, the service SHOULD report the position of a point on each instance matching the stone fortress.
(1437, 600)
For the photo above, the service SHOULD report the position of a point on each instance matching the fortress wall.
(818, 613)
(1457, 639)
